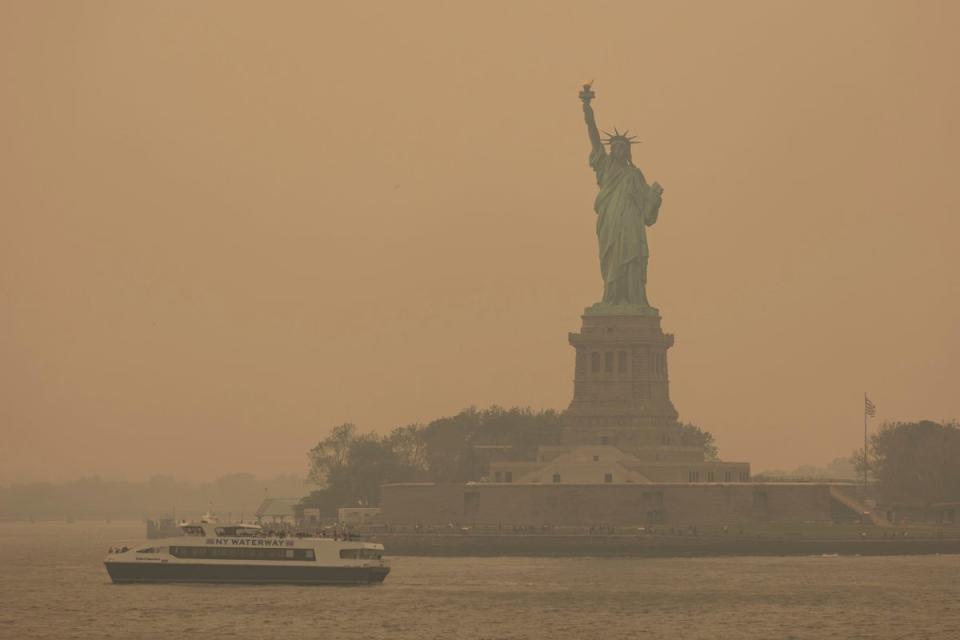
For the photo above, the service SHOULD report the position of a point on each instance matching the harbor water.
(53, 585)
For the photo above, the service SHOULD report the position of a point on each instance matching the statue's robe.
(625, 206)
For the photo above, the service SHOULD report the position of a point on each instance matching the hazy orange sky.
(226, 227)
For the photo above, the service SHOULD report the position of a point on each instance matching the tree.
(352, 466)
(370, 463)
(452, 443)
(914, 461)
(450, 456)
(331, 452)
(693, 436)
(408, 445)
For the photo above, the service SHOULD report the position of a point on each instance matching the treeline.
(838, 469)
(95, 497)
(914, 462)
(351, 465)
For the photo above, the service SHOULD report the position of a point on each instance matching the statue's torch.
(586, 93)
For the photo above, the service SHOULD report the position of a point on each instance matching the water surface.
(53, 585)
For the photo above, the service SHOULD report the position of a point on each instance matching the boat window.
(238, 531)
(193, 530)
(242, 553)
(149, 550)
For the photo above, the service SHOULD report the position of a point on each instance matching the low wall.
(653, 546)
(615, 504)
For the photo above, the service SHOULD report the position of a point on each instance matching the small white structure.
(311, 516)
(277, 510)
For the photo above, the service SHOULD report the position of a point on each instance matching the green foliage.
(692, 435)
(331, 453)
(352, 466)
(914, 461)
(451, 444)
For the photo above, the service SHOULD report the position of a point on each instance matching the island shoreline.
(553, 546)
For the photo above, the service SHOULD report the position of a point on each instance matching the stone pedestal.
(621, 392)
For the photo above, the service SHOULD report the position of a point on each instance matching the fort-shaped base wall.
(492, 504)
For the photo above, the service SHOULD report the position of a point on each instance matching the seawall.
(654, 546)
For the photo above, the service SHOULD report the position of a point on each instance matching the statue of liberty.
(625, 207)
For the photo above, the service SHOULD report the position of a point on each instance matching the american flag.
(869, 408)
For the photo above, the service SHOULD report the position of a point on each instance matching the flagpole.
(864, 442)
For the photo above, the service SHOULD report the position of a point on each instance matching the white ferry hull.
(152, 572)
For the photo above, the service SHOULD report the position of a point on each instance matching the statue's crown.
(620, 137)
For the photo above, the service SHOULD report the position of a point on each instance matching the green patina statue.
(625, 206)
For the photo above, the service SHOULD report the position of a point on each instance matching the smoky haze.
(226, 227)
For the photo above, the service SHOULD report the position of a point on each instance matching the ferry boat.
(245, 553)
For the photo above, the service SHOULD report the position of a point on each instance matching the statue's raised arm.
(587, 94)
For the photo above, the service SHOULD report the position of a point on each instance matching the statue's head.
(620, 145)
